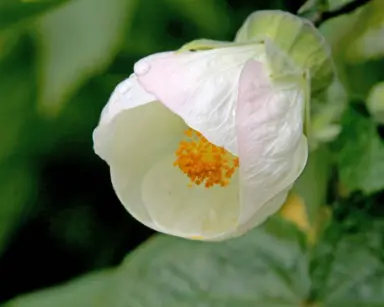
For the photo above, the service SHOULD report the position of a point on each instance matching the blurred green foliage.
(59, 217)
(361, 162)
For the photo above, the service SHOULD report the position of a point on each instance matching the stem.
(319, 18)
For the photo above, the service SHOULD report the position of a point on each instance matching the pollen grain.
(204, 162)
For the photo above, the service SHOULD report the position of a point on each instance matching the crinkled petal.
(272, 148)
(189, 211)
(133, 134)
(201, 87)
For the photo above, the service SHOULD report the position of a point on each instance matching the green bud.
(295, 36)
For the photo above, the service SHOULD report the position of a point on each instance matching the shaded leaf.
(17, 185)
(77, 41)
(368, 43)
(8, 41)
(347, 270)
(13, 11)
(326, 112)
(86, 291)
(15, 105)
(257, 269)
(311, 8)
(360, 154)
(336, 4)
(357, 275)
(17, 178)
(350, 27)
(210, 16)
(358, 86)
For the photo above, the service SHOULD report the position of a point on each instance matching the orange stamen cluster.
(204, 162)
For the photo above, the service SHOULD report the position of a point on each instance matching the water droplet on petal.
(141, 68)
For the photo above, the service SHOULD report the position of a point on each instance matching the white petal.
(201, 87)
(272, 148)
(187, 211)
(127, 95)
(133, 134)
(144, 135)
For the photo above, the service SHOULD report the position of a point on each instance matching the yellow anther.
(204, 162)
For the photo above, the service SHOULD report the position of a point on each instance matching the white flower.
(206, 144)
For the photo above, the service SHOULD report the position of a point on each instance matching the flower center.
(204, 162)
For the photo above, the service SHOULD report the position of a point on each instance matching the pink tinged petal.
(272, 148)
(201, 87)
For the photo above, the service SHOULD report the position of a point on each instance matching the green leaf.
(352, 270)
(348, 270)
(358, 87)
(16, 107)
(356, 276)
(360, 154)
(258, 269)
(210, 16)
(311, 8)
(17, 178)
(13, 11)
(343, 33)
(368, 43)
(326, 112)
(76, 42)
(8, 40)
(336, 4)
(86, 291)
(312, 5)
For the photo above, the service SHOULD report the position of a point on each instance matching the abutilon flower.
(206, 144)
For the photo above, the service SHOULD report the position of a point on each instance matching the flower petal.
(272, 148)
(201, 87)
(133, 134)
(127, 95)
(145, 135)
(189, 211)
